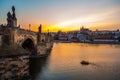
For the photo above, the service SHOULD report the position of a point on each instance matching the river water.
(63, 63)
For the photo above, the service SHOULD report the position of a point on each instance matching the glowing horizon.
(65, 15)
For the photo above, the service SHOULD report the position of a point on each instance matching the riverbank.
(14, 67)
(58, 41)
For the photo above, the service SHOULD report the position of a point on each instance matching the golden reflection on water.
(84, 51)
(64, 62)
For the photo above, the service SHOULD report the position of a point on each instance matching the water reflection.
(37, 65)
(64, 63)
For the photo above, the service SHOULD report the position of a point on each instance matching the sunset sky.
(64, 15)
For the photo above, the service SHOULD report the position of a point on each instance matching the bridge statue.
(11, 18)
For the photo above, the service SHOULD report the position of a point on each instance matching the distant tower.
(8, 36)
(39, 33)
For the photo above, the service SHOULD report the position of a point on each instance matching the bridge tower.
(8, 34)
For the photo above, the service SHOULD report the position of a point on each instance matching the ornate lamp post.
(29, 26)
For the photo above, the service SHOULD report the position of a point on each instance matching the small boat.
(84, 62)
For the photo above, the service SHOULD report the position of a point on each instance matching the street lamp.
(29, 26)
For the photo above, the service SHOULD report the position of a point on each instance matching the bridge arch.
(29, 45)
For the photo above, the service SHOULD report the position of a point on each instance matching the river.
(63, 63)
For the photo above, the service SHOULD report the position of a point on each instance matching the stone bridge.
(17, 46)
(14, 35)
(29, 40)
(22, 38)
(26, 39)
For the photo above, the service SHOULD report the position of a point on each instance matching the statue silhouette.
(13, 10)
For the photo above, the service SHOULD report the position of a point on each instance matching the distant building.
(84, 34)
(82, 37)
(74, 39)
(63, 36)
(85, 31)
(106, 36)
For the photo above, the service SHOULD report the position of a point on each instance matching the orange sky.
(65, 15)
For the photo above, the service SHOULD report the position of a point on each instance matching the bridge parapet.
(21, 35)
(23, 31)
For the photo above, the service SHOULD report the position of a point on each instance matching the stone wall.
(41, 49)
(44, 48)
(49, 45)
(14, 67)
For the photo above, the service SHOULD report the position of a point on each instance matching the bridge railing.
(23, 31)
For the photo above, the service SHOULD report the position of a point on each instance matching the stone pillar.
(8, 37)
(0, 40)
